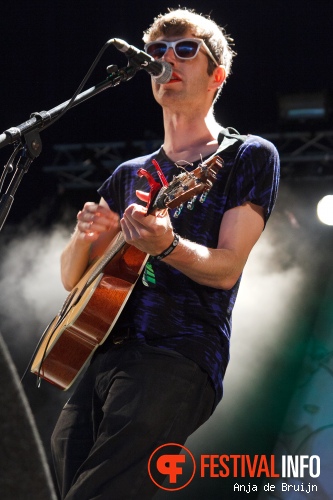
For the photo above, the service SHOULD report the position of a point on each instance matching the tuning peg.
(190, 204)
(178, 211)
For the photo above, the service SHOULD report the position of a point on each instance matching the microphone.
(161, 71)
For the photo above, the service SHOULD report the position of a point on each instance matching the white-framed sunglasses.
(186, 48)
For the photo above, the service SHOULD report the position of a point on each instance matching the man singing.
(163, 377)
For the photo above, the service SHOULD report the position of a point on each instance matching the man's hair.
(177, 22)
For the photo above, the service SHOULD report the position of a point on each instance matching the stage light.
(304, 107)
(325, 210)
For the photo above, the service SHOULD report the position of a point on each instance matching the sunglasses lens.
(157, 50)
(187, 49)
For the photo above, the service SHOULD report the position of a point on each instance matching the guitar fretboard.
(105, 259)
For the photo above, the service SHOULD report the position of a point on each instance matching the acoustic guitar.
(92, 308)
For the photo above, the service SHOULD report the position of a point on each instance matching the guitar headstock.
(183, 187)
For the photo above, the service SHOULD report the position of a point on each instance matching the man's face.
(190, 83)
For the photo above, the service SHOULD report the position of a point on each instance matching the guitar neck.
(183, 188)
(115, 246)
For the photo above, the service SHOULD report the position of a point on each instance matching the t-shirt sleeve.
(110, 191)
(256, 175)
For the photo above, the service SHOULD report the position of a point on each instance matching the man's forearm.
(218, 268)
(74, 260)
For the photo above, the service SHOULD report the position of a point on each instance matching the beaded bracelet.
(168, 250)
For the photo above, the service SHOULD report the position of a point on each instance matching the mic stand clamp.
(31, 148)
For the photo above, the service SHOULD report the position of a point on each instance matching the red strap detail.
(160, 173)
(154, 186)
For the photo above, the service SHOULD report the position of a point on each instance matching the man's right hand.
(95, 219)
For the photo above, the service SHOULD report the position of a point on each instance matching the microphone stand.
(27, 139)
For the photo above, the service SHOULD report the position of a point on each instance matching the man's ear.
(219, 75)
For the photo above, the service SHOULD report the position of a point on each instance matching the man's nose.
(169, 55)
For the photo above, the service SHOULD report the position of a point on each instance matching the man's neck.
(188, 138)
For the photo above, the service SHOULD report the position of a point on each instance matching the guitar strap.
(229, 140)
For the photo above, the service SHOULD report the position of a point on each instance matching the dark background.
(45, 51)
(47, 47)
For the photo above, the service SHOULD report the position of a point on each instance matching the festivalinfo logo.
(172, 467)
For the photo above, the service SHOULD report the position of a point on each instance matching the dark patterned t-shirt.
(178, 313)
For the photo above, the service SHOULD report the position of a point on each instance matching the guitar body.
(87, 318)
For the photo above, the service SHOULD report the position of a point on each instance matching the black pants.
(132, 399)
